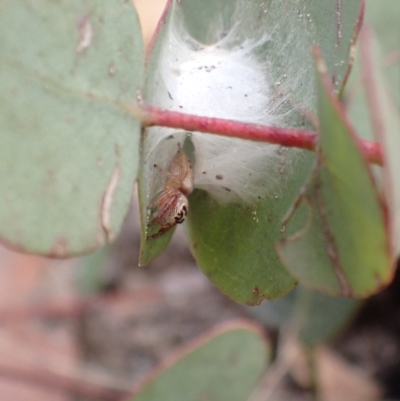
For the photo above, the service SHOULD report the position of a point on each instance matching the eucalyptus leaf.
(355, 102)
(224, 365)
(319, 317)
(69, 70)
(343, 249)
(385, 119)
(381, 20)
(384, 21)
(311, 316)
(372, 99)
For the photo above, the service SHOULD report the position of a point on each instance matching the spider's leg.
(161, 198)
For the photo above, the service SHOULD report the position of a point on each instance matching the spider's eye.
(181, 214)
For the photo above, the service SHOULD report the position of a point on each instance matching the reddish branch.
(289, 137)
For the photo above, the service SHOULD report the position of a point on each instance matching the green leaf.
(234, 244)
(372, 97)
(249, 186)
(343, 249)
(69, 72)
(224, 365)
(310, 315)
(385, 119)
(355, 103)
(319, 317)
(150, 249)
(381, 20)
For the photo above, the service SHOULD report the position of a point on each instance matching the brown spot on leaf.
(219, 177)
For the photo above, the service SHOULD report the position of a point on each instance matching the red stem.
(289, 137)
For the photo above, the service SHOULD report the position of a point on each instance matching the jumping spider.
(171, 206)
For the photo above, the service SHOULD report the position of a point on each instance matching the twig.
(289, 137)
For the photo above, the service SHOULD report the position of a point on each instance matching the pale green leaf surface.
(311, 316)
(233, 242)
(343, 250)
(385, 119)
(383, 18)
(319, 317)
(69, 150)
(225, 365)
(356, 103)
